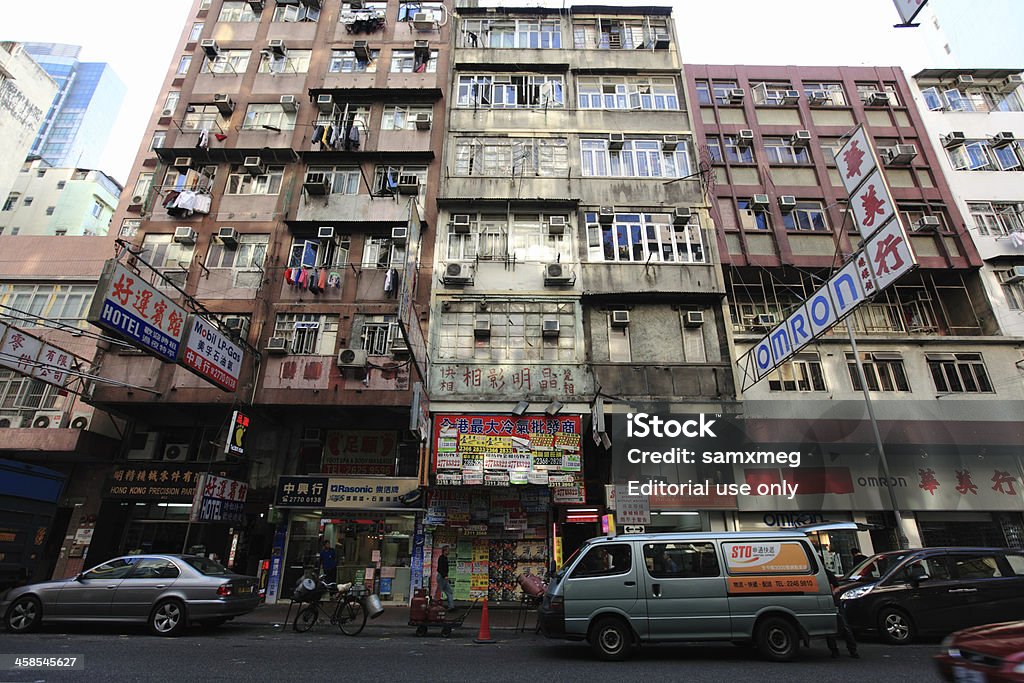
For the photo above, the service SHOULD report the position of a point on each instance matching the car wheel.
(611, 639)
(421, 631)
(777, 639)
(895, 626)
(24, 615)
(168, 618)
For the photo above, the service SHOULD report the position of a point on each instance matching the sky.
(138, 39)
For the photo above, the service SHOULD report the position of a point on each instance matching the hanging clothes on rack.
(390, 281)
(204, 139)
(318, 134)
(334, 136)
(352, 139)
(203, 202)
(321, 282)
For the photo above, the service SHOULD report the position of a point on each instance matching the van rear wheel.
(777, 639)
(611, 639)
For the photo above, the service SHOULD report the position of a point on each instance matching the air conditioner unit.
(210, 47)
(225, 105)
(790, 96)
(482, 327)
(361, 48)
(694, 318)
(183, 164)
(316, 183)
(1002, 139)
(166, 113)
(277, 345)
(745, 138)
(408, 184)
(421, 48)
(616, 140)
(1012, 82)
(277, 47)
(325, 232)
(928, 224)
(954, 139)
(818, 97)
(965, 79)
(758, 202)
(460, 223)
(256, 6)
(311, 435)
(878, 98)
(801, 138)
(234, 323)
(549, 328)
(137, 200)
(765, 320)
(80, 421)
(422, 121)
(682, 215)
(606, 214)
(143, 446)
(422, 21)
(458, 274)
(254, 166)
(556, 274)
(1016, 274)
(398, 346)
(48, 419)
(901, 154)
(352, 358)
(228, 236)
(289, 102)
(184, 234)
(175, 452)
(325, 103)
(557, 225)
(620, 318)
(399, 234)
(787, 203)
(736, 95)
(669, 141)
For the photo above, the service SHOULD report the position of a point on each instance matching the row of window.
(776, 93)
(236, 62)
(28, 303)
(984, 155)
(809, 214)
(951, 373)
(974, 99)
(238, 11)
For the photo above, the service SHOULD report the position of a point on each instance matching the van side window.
(604, 560)
(1016, 564)
(976, 566)
(680, 560)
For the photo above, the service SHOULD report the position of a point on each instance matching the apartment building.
(940, 372)
(25, 93)
(975, 122)
(292, 163)
(59, 201)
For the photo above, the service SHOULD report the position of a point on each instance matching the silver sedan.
(167, 592)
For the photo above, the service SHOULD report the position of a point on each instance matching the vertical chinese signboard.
(133, 309)
(219, 500)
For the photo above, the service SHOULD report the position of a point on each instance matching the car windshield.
(207, 567)
(876, 567)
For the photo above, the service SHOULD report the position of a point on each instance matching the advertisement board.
(207, 352)
(218, 499)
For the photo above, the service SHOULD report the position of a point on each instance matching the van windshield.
(876, 567)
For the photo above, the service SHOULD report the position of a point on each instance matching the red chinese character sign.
(127, 305)
(856, 160)
(888, 254)
(28, 355)
(872, 205)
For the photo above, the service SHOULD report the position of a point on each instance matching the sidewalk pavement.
(502, 617)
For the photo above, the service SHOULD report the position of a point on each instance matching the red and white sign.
(211, 355)
(362, 452)
(53, 365)
(889, 255)
(856, 160)
(908, 9)
(872, 204)
(19, 350)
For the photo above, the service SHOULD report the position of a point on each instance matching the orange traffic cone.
(484, 635)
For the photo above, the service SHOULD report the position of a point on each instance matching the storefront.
(370, 522)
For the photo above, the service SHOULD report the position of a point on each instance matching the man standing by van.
(844, 628)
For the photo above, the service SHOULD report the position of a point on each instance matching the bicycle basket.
(307, 590)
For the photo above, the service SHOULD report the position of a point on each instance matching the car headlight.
(858, 592)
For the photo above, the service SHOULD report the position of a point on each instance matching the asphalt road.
(255, 652)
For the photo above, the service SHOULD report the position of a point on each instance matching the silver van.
(765, 588)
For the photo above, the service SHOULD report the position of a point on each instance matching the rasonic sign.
(883, 258)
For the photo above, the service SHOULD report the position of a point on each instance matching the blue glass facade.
(81, 118)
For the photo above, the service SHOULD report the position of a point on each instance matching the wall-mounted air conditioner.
(736, 95)
(482, 328)
(183, 164)
(801, 138)
(745, 138)
(954, 139)
(458, 274)
(460, 223)
(81, 420)
(234, 323)
(48, 419)
(175, 452)
(256, 5)
(228, 236)
(184, 234)
(399, 234)
(316, 183)
(289, 102)
(878, 98)
(765, 320)
(398, 346)
(759, 202)
(901, 154)
(254, 166)
(616, 140)
(277, 345)
(422, 21)
(787, 203)
(210, 47)
(423, 121)
(352, 358)
(225, 105)
(620, 318)
(550, 328)
(694, 318)
(421, 48)
(556, 274)
(965, 79)
(928, 224)
(325, 232)
(682, 215)
(817, 97)
(557, 225)
(790, 96)
(1016, 274)
(362, 50)
(1012, 82)
(1002, 139)
(325, 102)
(408, 184)
(277, 47)
(606, 214)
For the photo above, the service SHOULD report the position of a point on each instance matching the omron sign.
(883, 258)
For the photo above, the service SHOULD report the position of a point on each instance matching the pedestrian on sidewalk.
(843, 626)
(442, 578)
(329, 563)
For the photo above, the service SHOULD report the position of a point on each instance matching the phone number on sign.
(41, 662)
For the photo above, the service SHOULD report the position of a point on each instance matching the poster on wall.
(501, 450)
(361, 452)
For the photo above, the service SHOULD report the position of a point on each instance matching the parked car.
(168, 592)
(903, 594)
(765, 588)
(989, 654)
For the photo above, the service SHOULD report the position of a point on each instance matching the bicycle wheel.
(351, 617)
(306, 618)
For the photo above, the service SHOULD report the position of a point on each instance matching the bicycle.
(348, 613)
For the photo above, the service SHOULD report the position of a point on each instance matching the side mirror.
(918, 577)
(80, 576)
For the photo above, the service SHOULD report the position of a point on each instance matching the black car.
(906, 593)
